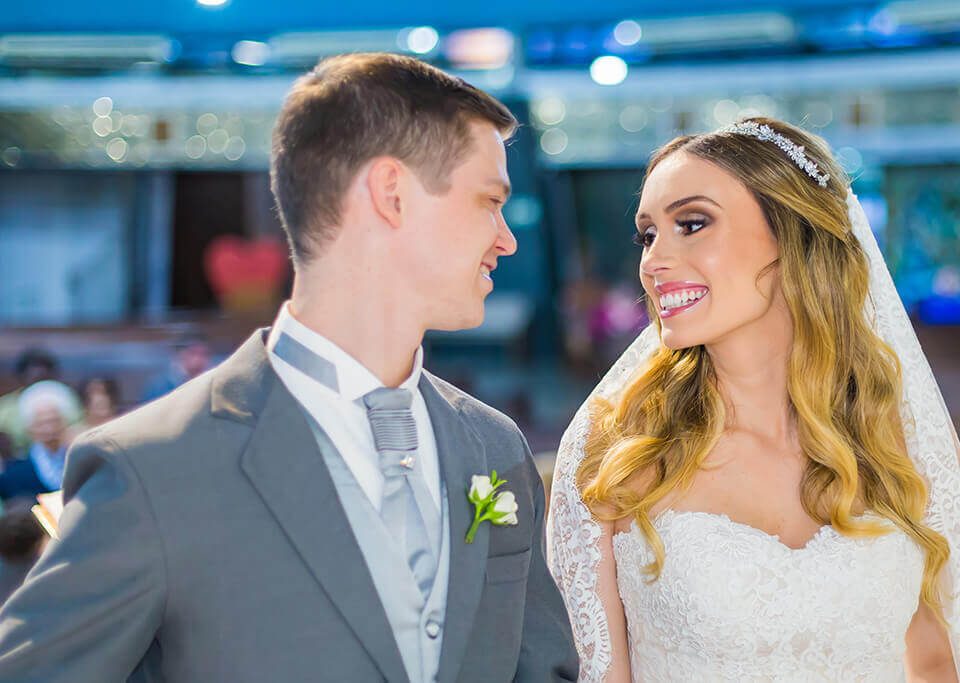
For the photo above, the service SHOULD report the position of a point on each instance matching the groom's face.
(460, 235)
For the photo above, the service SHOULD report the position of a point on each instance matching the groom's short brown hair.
(352, 108)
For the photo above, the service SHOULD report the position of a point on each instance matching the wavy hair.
(843, 381)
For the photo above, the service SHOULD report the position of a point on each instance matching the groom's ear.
(385, 185)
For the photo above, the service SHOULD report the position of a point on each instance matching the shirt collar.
(353, 378)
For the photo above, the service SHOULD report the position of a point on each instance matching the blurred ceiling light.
(420, 40)
(718, 30)
(608, 70)
(554, 141)
(117, 149)
(550, 111)
(235, 148)
(633, 118)
(850, 159)
(102, 106)
(102, 126)
(304, 49)
(937, 16)
(479, 48)
(212, 3)
(217, 140)
(195, 146)
(11, 156)
(85, 50)
(207, 123)
(819, 114)
(627, 32)
(726, 112)
(250, 53)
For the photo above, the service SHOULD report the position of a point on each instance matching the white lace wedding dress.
(733, 603)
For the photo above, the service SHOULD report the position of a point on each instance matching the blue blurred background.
(137, 226)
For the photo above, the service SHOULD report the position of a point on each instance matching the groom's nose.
(506, 244)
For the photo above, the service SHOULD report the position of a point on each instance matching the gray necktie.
(408, 511)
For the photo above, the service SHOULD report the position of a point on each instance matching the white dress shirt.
(343, 416)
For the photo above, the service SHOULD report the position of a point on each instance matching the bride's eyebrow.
(673, 206)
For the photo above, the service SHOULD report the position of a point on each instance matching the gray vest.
(417, 624)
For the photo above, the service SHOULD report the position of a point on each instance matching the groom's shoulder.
(149, 444)
(476, 412)
(163, 421)
(180, 422)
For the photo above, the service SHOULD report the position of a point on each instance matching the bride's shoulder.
(613, 518)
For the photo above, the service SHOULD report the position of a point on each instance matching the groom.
(299, 513)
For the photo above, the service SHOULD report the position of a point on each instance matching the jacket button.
(433, 629)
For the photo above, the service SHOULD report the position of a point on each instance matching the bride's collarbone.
(764, 496)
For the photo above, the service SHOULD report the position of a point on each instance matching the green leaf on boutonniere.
(488, 505)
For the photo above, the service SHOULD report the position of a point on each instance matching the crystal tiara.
(761, 131)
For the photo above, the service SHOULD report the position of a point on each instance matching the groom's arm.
(547, 652)
(90, 608)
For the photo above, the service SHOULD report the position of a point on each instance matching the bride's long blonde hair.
(844, 382)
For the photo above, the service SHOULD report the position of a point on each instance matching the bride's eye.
(693, 224)
(645, 238)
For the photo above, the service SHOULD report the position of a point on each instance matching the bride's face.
(706, 243)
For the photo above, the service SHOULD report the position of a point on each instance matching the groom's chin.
(462, 320)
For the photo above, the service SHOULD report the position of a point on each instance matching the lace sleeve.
(573, 534)
(930, 436)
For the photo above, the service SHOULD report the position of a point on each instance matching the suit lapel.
(461, 455)
(284, 466)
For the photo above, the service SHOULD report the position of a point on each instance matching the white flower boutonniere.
(488, 505)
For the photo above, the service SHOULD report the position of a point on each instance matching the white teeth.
(485, 271)
(676, 299)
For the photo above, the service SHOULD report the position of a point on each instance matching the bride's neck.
(751, 370)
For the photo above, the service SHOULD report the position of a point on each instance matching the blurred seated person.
(44, 407)
(192, 359)
(22, 539)
(101, 400)
(33, 365)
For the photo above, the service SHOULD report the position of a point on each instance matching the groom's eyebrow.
(673, 206)
(502, 186)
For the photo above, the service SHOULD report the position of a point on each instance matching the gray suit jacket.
(203, 541)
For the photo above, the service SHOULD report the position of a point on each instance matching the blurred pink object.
(246, 275)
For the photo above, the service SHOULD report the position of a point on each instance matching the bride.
(765, 487)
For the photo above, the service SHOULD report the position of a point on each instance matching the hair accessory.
(761, 131)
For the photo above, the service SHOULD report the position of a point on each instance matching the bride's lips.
(671, 297)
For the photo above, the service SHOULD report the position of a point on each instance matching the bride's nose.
(658, 258)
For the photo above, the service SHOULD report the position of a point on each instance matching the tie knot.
(385, 398)
(394, 429)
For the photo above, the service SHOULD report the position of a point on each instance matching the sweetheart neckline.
(823, 531)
